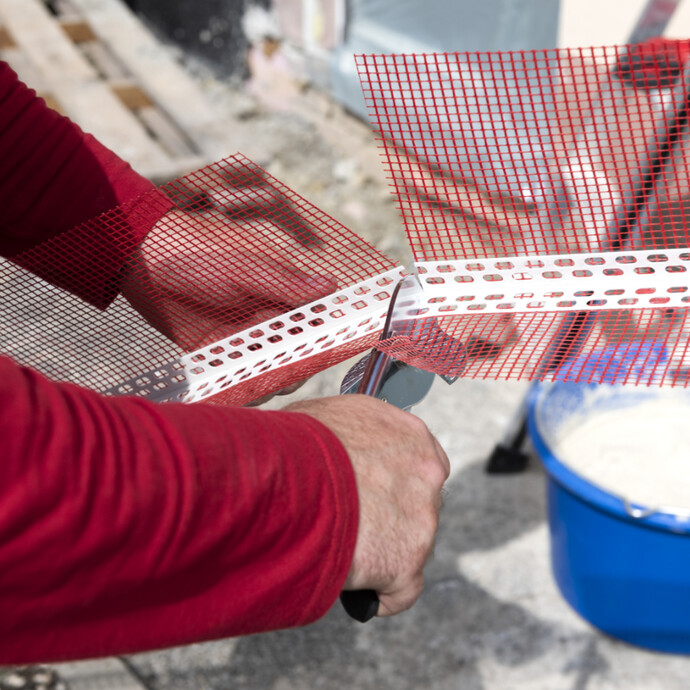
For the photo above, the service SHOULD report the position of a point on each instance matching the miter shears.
(383, 377)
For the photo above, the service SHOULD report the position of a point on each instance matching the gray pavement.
(490, 617)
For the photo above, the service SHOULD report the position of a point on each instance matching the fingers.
(400, 469)
(392, 603)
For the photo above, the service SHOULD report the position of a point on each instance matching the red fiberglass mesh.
(537, 153)
(230, 247)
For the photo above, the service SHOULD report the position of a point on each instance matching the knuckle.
(417, 425)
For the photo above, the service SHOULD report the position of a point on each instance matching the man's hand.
(192, 280)
(400, 470)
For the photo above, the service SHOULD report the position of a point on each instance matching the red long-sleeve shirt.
(126, 525)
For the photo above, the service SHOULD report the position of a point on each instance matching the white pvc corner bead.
(522, 284)
(312, 329)
(567, 282)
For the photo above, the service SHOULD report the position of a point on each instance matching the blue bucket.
(623, 567)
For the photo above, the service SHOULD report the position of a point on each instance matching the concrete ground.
(491, 617)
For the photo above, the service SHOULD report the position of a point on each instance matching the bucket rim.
(587, 491)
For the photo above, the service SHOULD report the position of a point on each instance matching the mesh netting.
(538, 153)
(230, 248)
(491, 157)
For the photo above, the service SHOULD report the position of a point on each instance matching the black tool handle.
(361, 604)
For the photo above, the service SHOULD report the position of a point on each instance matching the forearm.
(129, 526)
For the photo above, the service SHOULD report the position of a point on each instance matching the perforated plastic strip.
(519, 285)
(297, 335)
(578, 282)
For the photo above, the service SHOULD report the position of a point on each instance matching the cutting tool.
(381, 376)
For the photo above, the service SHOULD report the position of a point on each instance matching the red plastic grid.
(573, 151)
(230, 246)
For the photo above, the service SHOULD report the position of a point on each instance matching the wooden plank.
(130, 93)
(83, 95)
(78, 30)
(6, 40)
(103, 60)
(167, 82)
(25, 69)
(165, 131)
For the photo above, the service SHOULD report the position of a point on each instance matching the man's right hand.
(400, 470)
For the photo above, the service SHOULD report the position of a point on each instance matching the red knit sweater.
(126, 525)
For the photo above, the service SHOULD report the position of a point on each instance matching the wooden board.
(96, 63)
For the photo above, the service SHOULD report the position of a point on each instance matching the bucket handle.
(638, 513)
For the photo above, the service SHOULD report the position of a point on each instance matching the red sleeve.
(54, 177)
(123, 528)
